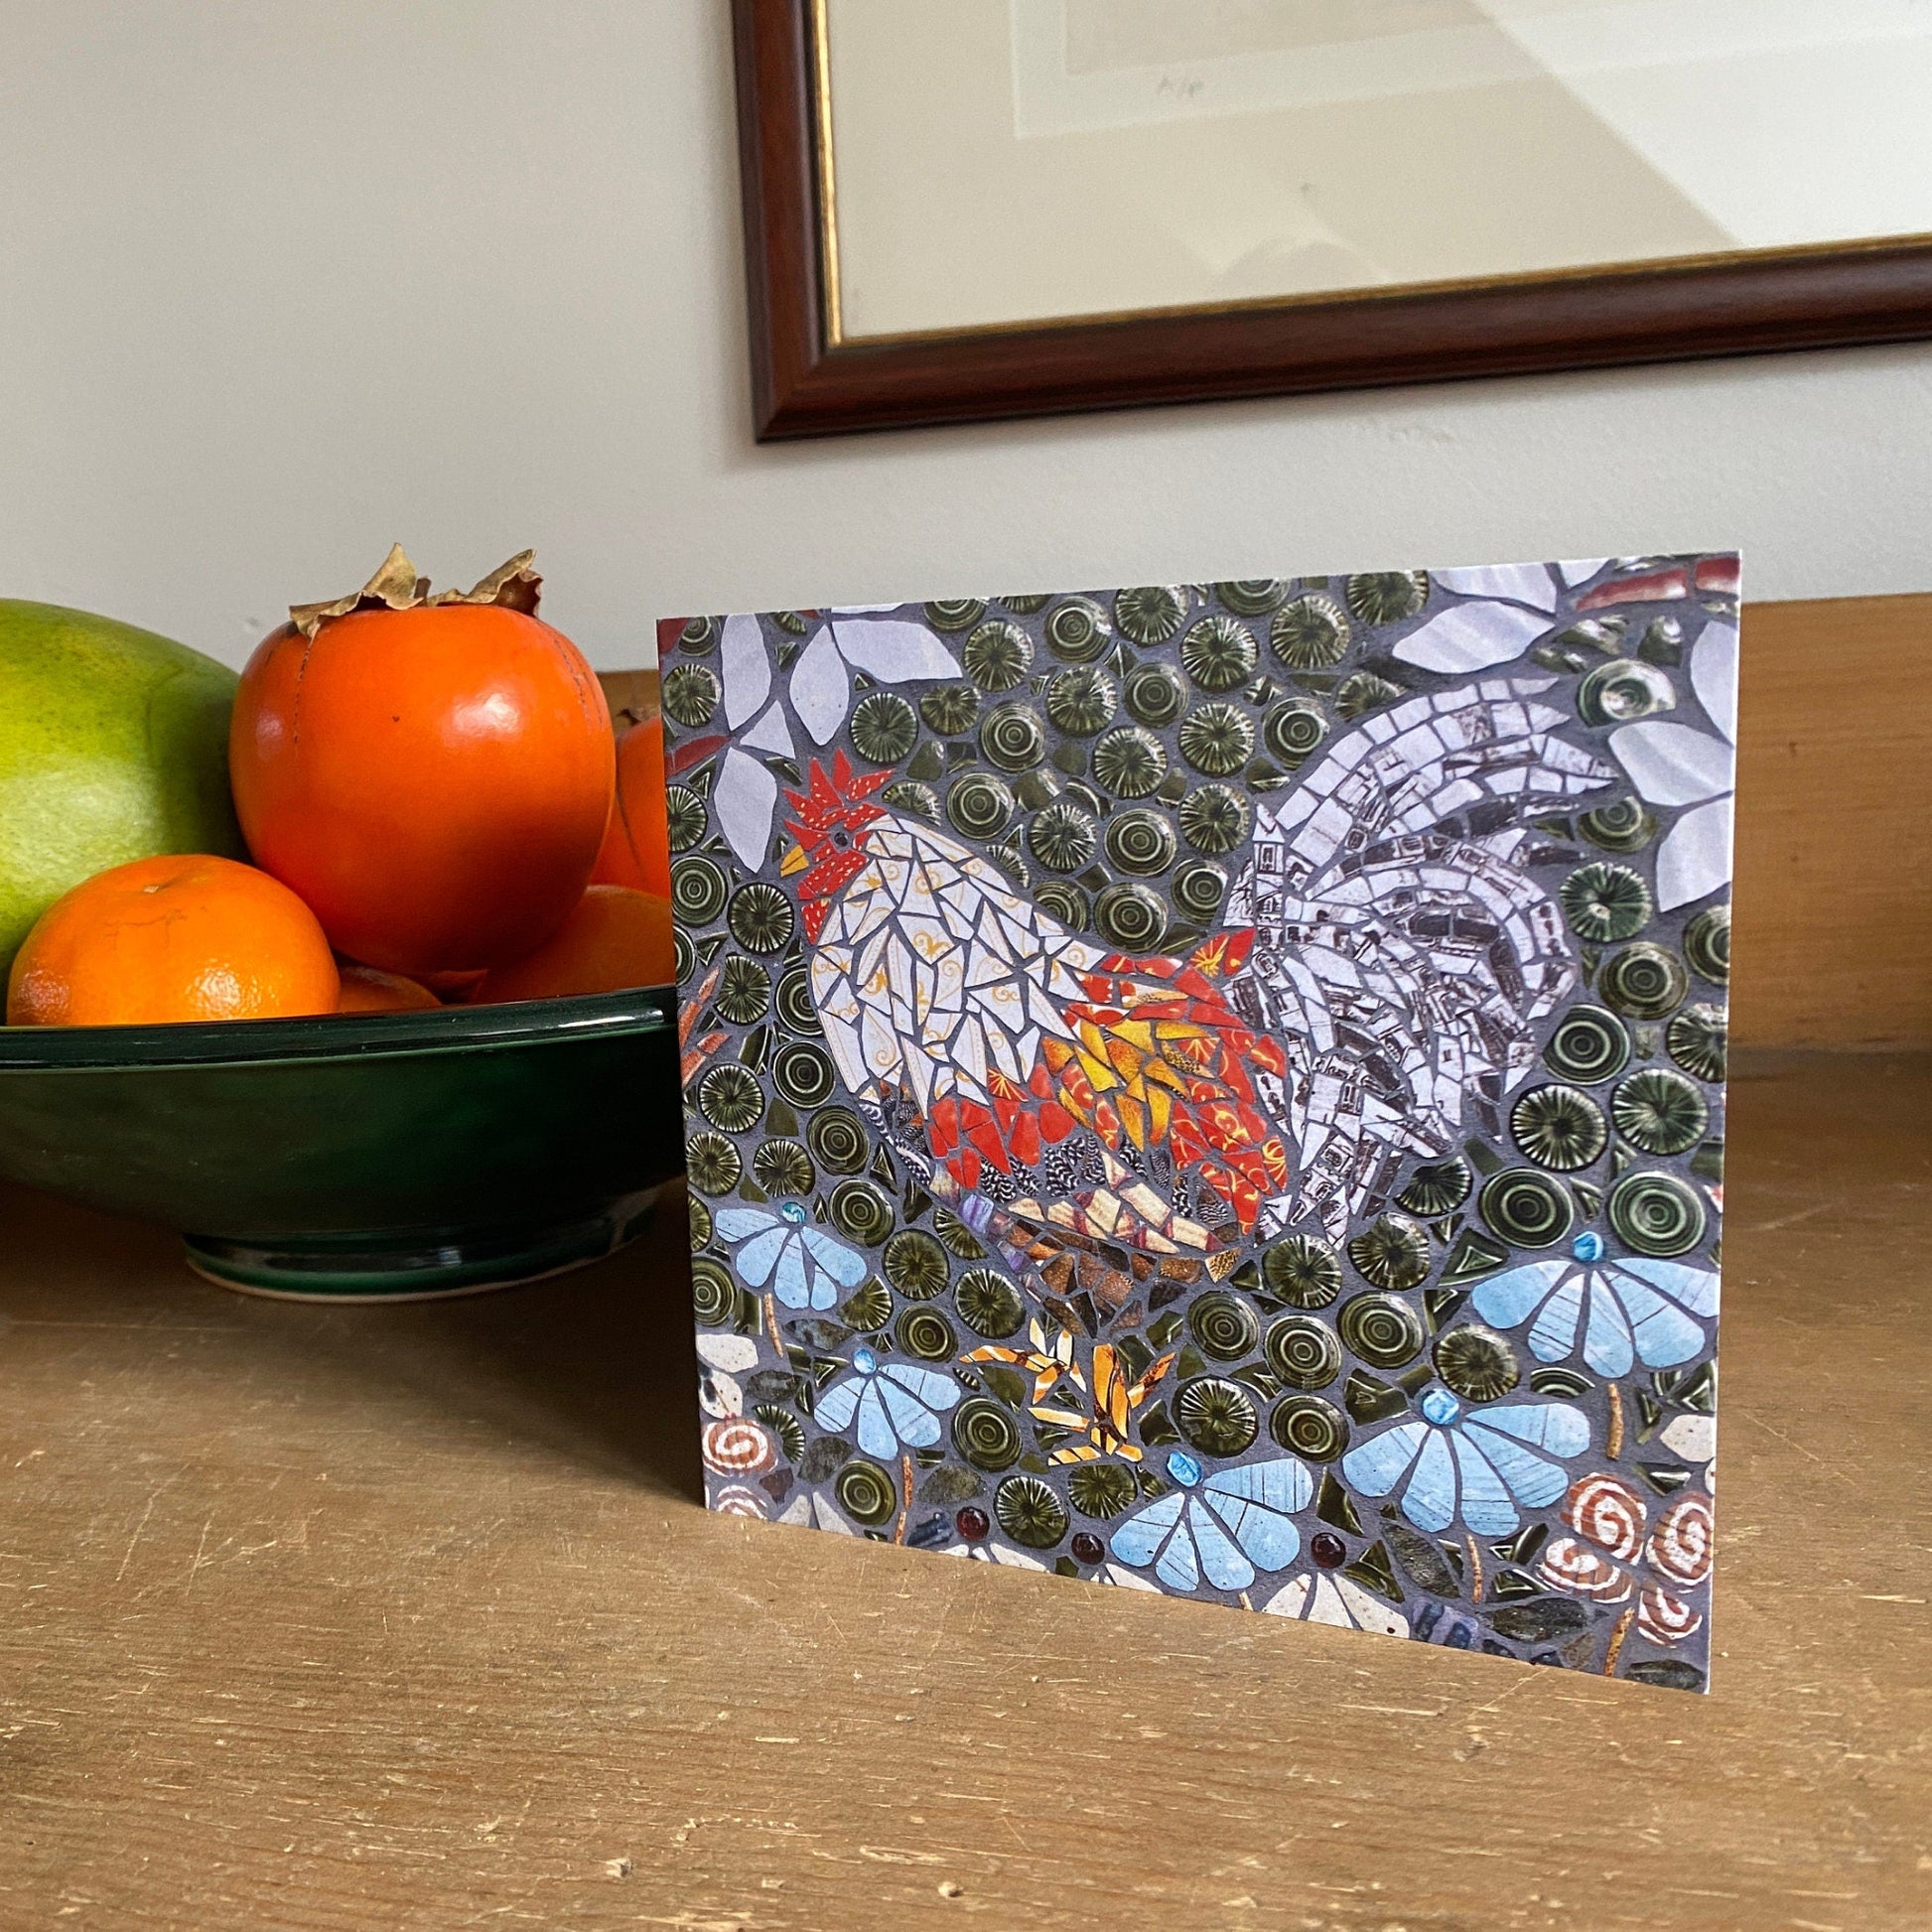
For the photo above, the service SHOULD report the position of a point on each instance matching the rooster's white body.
(1385, 959)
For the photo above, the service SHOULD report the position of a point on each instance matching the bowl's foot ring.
(413, 1266)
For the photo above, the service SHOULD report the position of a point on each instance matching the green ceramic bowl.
(366, 1155)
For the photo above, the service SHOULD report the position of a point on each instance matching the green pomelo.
(114, 747)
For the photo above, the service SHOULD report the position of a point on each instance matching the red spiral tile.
(1679, 1545)
(1606, 1510)
(1666, 1619)
(1575, 1568)
(736, 1448)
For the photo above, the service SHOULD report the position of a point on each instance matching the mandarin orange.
(368, 988)
(184, 937)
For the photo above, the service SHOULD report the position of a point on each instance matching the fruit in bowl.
(360, 1156)
(429, 780)
(410, 1049)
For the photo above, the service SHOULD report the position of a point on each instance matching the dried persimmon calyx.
(398, 585)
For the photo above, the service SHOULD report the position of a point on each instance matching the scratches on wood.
(327, 1620)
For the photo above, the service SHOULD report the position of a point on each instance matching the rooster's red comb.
(828, 792)
(833, 798)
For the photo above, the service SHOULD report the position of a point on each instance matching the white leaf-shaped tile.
(1335, 1601)
(746, 667)
(1714, 675)
(1471, 637)
(1694, 1437)
(736, 1353)
(742, 799)
(1694, 857)
(993, 1553)
(1672, 764)
(821, 692)
(810, 1512)
(772, 734)
(892, 650)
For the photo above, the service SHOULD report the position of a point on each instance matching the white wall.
(281, 280)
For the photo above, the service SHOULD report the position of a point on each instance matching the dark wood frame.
(806, 384)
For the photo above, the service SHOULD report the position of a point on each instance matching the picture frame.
(811, 377)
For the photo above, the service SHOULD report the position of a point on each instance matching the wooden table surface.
(408, 1618)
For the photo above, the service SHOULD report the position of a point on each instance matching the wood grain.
(1833, 891)
(326, 1620)
(631, 696)
(804, 384)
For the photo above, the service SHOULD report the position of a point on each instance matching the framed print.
(966, 209)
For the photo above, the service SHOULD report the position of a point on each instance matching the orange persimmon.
(637, 848)
(613, 939)
(432, 775)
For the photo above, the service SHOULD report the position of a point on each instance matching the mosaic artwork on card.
(1218, 1089)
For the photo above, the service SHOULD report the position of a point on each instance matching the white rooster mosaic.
(1218, 1088)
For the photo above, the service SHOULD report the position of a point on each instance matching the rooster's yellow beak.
(793, 863)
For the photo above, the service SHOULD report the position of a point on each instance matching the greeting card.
(1218, 1088)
